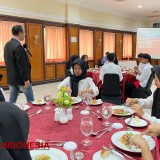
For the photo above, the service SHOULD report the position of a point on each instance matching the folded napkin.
(136, 84)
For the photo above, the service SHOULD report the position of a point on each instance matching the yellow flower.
(60, 94)
(63, 89)
(66, 102)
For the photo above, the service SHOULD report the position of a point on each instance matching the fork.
(112, 148)
(108, 130)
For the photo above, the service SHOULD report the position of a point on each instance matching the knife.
(130, 120)
(108, 130)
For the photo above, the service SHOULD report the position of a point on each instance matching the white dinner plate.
(38, 102)
(55, 154)
(76, 100)
(112, 156)
(98, 102)
(131, 111)
(134, 123)
(116, 141)
(23, 107)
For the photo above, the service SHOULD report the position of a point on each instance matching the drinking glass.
(86, 129)
(96, 66)
(47, 99)
(87, 100)
(107, 112)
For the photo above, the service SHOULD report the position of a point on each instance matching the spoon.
(76, 107)
(101, 114)
(79, 155)
(38, 112)
(95, 133)
(129, 128)
(100, 118)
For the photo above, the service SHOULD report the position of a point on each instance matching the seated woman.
(151, 102)
(14, 127)
(85, 58)
(78, 83)
(70, 62)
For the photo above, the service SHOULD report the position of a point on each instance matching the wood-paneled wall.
(119, 45)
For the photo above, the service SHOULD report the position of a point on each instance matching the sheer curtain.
(108, 42)
(55, 44)
(6, 35)
(86, 43)
(127, 46)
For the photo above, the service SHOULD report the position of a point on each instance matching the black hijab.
(70, 61)
(75, 79)
(14, 127)
(156, 95)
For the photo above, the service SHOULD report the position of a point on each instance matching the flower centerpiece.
(64, 101)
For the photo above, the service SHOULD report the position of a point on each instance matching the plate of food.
(95, 102)
(122, 111)
(51, 154)
(136, 122)
(38, 102)
(76, 100)
(121, 139)
(107, 155)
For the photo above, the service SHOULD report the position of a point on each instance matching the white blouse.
(147, 103)
(86, 83)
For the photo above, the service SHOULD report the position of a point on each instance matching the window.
(108, 42)
(6, 35)
(86, 43)
(55, 44)
(127, 46)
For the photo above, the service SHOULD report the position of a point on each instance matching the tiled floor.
(50, 88)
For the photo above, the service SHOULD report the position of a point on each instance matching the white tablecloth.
(127, 64)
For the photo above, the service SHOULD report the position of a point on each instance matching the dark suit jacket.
(17, 63)
(14, 127)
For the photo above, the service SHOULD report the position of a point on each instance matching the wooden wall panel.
(73, 46)
(134, 46)
(119, 45)
(98, 41)
(91, 64)
(50, 71)
(60, 70)
(4, 79)
(154, 62)
(36, 49)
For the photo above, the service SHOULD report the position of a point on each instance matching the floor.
(51, 88)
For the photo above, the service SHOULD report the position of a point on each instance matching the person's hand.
(138, 109)
(26, 84)
(152, 130)
(82, 92)
(131, 101)
(138, 141)
(69, 91)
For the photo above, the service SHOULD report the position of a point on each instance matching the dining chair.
(111, 91)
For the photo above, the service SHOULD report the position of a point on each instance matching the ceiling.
(150, 10)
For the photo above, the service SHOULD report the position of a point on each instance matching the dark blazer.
(17, 63)
(14, 127)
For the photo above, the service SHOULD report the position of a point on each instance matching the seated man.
(138, 69)
(110, 67)
(142, 79)
(14, 127)
(104, 59)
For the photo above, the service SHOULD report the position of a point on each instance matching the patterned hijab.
(75, 79)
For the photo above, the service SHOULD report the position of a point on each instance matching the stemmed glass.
(87, 101)
(86, 129)
(107, 112)
(47, 99)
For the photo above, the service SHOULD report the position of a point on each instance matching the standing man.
(18, 66)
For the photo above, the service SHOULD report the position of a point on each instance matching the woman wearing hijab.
(78, 83)
(85, 58)
(151, 102)
(14, 127)
(70, 62)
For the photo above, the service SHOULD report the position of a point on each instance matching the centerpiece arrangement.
(64, 101)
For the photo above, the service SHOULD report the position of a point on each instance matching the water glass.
(87, 101)
(86, 129)
(107, 112)
(47, 99)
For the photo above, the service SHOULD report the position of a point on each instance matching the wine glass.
(47, 99)
(107, 112)
(86, 129)
(87, 101)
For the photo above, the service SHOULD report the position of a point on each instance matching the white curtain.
(108, 42)
(127, 46)
(86, 43)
